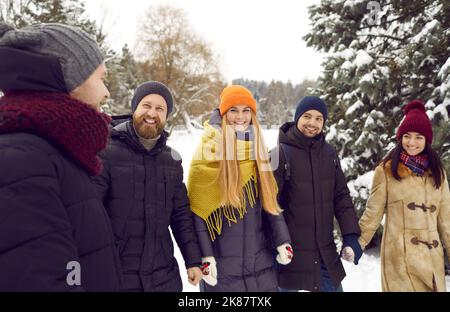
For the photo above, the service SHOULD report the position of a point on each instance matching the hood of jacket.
(289, 134)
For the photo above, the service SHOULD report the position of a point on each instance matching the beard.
(145, 130)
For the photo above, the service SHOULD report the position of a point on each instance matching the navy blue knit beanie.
(152, 87)
(309, 103)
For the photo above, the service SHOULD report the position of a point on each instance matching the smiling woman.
(239, 117)
(410, 188)
(237, 218)
(413, 143)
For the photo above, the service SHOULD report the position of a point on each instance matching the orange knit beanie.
(236, 95)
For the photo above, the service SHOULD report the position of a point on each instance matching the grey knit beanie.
(77, 52)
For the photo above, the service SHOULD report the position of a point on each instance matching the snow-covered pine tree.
(380, 55)
(123, 78)
(274, 103)
(70, 12)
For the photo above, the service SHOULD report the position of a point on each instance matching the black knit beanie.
(152, 87)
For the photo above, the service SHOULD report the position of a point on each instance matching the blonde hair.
(229, 176)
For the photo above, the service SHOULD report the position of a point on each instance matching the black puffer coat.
(315, 194)
(50, 216)
(245, 251)
(144, 194)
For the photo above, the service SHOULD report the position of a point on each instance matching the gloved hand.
(209, 270)
(351, 250)
(347, 254)
(285, 254)
(215, 119)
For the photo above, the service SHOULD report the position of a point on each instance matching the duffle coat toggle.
(413, 206)
(417, 241)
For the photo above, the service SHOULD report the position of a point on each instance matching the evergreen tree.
(381, 55)
(121, 68)
(71, 12)
(123, 78)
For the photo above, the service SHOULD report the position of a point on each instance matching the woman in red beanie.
(233, 195)
(410, 189)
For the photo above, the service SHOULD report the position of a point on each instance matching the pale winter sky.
(255, 39)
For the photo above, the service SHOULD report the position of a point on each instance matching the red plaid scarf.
(418, 164)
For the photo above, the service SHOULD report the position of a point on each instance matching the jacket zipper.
(314, 211)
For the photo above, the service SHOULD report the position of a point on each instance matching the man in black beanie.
(54, 233)
(143, 190)
(312, 191)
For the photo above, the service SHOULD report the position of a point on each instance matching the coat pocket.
(418, 250)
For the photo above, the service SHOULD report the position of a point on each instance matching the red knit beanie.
(416, 120)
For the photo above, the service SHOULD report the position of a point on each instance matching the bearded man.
(143, 192)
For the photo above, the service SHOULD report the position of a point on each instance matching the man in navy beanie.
(143, 192)
(311, 103)
(312, 190)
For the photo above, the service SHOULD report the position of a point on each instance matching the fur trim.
(402, 170)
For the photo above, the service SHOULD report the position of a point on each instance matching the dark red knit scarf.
(76, 128)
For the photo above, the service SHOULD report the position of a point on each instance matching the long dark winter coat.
(315, 194)
(144, 194)
(244, 251)
(49, 212)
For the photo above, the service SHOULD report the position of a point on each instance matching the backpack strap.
(287, 151)
(330, 150)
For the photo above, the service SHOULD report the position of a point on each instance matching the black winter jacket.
(314, 195)
(245, 251)
(144, 194)
(50, 216)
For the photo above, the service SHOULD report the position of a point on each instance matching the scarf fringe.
(214, 222)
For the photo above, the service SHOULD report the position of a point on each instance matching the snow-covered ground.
(364, 277)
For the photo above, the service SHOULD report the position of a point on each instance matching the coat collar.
(402, 170)
(289, 134)
(126, 133)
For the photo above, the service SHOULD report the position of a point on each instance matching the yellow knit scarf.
(203, 189)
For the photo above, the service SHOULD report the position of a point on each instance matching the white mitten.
(209, 270)
(285, 254)
(348, 254)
